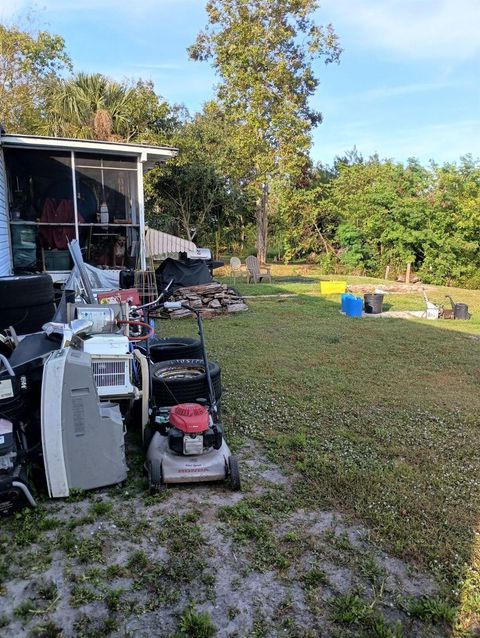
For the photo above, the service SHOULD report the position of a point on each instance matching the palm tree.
(89, 106)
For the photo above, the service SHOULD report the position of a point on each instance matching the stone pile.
(212, 299)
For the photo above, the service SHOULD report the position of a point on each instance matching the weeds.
(101, 508)
(81, 595)
(47, 629)
(350, 609)
(314, 577)
(432, 609)
(371, 570)
(195, 624)
(113, 599)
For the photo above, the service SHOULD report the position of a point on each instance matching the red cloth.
(57, 213)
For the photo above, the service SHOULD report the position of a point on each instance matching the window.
(48, 208)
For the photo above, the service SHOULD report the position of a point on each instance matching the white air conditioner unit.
(111, 364)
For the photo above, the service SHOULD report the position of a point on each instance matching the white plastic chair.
(432, 311)
(237, 269)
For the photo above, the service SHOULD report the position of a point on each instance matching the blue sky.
(408, 84)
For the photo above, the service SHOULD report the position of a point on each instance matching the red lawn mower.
(185, 443)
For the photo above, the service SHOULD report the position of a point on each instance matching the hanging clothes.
(57, 212)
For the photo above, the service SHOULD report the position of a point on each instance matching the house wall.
(5, 254)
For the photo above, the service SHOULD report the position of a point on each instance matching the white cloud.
(430, 29)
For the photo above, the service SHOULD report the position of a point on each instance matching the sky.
(408, 82)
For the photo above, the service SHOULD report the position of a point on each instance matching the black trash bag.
(184, 274)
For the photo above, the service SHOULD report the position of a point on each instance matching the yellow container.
(333, 287)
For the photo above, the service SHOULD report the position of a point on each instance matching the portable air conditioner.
(82, 438)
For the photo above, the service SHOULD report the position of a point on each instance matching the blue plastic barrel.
(354, 306)
(344, 301)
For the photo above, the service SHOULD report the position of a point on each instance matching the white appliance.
(199, 253)
(111, 364)
(82, 438)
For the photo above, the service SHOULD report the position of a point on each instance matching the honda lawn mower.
(185, 442)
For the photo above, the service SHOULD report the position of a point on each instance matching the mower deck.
(176, 468)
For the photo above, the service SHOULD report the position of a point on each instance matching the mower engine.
(192, 431)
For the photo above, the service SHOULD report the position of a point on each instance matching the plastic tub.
(373, 303)
(332, 287)
(354, 306)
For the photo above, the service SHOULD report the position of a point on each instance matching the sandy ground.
(242, 593)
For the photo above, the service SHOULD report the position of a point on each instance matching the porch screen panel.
(107, 201)
(42, 212)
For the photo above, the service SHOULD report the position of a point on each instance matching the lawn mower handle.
(172, 305)
(156, 301)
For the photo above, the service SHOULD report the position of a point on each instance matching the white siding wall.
(5, 256)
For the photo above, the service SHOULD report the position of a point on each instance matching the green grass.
(378, 417)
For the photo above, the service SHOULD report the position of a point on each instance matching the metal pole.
(74, 183)
(141, 213)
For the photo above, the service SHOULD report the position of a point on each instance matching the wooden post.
(387, 272)
(407, 275)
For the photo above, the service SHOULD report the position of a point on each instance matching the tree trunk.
(262, 225)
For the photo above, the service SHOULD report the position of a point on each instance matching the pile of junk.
(69, 389)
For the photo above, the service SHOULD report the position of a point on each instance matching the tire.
(234, 468)
(27, 302)
(168, 348)
(155, 481)
(26, 291)
(27, 319)
(183, 381)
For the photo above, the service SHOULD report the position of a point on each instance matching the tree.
(189, 195)
(264, 53)
(196, 195)
(93, 106)
(29, 63)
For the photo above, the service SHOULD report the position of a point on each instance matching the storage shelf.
(82, 224)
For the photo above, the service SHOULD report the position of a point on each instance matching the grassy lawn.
(359, 451)
(378, 418)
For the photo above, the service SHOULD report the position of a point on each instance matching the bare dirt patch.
(122, 563)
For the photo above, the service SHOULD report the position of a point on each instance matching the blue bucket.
(344, 301)
(354, 306)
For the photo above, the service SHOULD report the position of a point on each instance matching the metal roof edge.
(38, 141)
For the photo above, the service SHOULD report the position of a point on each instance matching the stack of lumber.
(212, 299)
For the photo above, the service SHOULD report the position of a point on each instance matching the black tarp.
(184, 274)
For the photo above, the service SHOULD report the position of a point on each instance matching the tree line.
(243, 180)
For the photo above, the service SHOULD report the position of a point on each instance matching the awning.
(162, 245)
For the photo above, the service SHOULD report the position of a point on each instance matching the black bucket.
(373, 303)
(460, 311)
